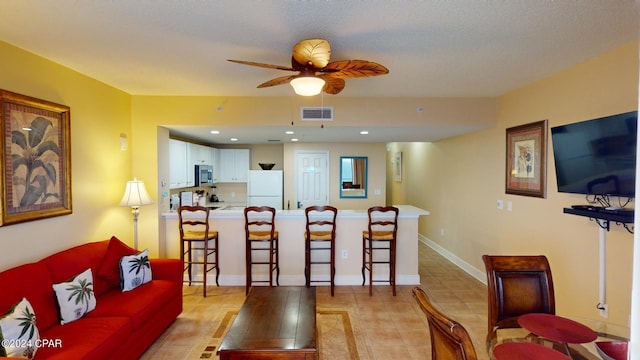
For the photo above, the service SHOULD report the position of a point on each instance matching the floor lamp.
(135, 195)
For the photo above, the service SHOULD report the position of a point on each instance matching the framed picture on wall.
(397, 166)
(36, 158)
(526, 163)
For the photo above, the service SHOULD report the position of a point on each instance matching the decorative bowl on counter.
(266, 166)
(612, 350)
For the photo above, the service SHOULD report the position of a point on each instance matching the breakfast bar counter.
(291, 226)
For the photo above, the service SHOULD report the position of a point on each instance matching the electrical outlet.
(441, 231)
(345, 254)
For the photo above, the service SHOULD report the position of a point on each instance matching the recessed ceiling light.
(234, 139)
(215, 132)
(294, 139)
(289, 132)
(364, 132)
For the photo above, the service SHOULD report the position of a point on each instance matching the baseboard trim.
(465, 266)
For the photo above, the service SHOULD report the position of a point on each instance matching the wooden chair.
(380, 236)
(517, 285)
(321, 232)
(194, 228)
(259, 227)
(449, 339)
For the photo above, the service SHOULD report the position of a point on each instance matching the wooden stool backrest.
(321, 218)
(259, 218)
(383, 218)
(186, 223)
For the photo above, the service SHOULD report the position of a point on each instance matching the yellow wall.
(99, 114)
(460, 180)
(151, 115)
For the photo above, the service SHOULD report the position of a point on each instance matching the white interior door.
(312, 171)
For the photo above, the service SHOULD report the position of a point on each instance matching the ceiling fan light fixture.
(307, 85)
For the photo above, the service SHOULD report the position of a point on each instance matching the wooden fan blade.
(269, 66)
(332, 84)
(278, 81)
(354, 68)
(316, 52)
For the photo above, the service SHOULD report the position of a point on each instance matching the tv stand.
(604, 216)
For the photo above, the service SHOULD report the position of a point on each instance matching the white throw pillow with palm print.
(18, 331)
(75, 297)
(135, 270)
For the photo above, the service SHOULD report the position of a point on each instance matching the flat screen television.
(597, 157)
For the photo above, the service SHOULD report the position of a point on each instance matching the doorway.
(312, 178)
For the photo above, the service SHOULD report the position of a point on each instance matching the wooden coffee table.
(274, 322)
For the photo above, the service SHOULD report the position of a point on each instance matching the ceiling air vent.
(317, 113)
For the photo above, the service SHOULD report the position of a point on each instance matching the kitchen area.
(224, 178)
(232, 176)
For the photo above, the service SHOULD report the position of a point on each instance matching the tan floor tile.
(384, 326)
(420, 352)
(383, 336)
(415, 337)
(390, 352)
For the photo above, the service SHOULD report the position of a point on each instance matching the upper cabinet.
(234, 165)
(229, 165)
(183, 157)
(200, 154)
(178, 164)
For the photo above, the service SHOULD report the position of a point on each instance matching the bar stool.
(259, 227)
(321, 231)
(380, 236)
(194, 228)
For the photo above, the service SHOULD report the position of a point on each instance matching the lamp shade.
(135, 194)
(307, 85)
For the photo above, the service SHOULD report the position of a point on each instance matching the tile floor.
(385, 327)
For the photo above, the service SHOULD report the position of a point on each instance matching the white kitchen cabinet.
(200, 154)
(178, 164)
(197, 155)
(215, 161)
(234, 165)
(183, 156)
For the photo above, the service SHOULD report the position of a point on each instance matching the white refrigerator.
(264, 188)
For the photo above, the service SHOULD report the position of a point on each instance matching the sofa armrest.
(167, 269)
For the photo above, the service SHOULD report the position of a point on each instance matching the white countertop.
(406, 211)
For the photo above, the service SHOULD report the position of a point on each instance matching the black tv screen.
(597, 157)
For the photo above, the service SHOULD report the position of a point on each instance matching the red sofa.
(123, 324)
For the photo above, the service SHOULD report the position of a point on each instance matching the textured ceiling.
(433, 48)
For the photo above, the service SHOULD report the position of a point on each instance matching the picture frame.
(526, 159)
(397, 166)
(35, 158)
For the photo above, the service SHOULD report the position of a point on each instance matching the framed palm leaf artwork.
(36, 158)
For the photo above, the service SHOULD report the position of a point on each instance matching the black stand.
(620, 217)
(603, 218)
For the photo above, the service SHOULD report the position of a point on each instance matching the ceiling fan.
(315, 73)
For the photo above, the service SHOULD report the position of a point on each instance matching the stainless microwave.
(203, 175)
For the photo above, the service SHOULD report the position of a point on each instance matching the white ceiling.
(432, 48)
